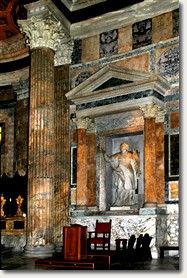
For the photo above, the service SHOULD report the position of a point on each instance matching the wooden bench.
(167, 247)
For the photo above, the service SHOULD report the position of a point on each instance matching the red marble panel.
(139, 62)
(162, 27)
(125, 39)
(90, 49)
(174, 120)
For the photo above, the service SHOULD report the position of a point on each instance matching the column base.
(150, 205)
(80, 207)
(58, 246)
(38, 251)
(148, 208)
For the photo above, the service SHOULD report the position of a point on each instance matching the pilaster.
(91, 165)
(149, 112)
(160, 171)
(82, 125)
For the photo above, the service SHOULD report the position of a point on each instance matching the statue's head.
(124, 147)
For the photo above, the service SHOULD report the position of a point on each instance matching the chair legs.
(96, 247)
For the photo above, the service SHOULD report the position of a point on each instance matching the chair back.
(103, 227)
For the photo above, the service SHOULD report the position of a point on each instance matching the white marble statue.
(126, 170)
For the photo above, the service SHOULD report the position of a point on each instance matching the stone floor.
(16, 261)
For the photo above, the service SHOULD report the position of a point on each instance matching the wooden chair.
(146, 250)
(101, 236)
(130, 248)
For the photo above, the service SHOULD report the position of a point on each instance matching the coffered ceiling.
(10, 11)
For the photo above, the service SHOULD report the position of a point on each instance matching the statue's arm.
(106, 156)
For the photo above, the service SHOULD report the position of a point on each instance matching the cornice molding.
(74, 5)
(42, 8)
(123, 17)
(120, 107)
(87, 90)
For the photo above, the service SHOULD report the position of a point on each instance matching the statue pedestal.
(121, 208)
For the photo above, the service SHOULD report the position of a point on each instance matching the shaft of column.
(160, 170)
(150, 188)
(91, 168)
(61, 193)
(41, 154)
(81, 169)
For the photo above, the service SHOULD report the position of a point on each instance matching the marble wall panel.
(90, 49)
(175, 17)
(173, 190)
(73, 196)
(77, 52)
(174, 155)
(142, 33)
(167, 61)
(139, 62)
(109, 43)
(174, 119)
(77, 76)
(125, 39)
(168, 228)
(162, 27)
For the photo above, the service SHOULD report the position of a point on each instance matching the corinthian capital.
(82, 122)
(42, 32)
(64, 51)
(160, 117)
(150, 110)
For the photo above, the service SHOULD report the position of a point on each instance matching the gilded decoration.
(19, 201)
(3, 202)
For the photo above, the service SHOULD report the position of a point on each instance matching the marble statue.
(126, 170)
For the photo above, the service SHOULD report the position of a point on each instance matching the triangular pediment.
(112, 81)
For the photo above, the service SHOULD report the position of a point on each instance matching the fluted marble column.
(82, 125)
(150, 112)
(42, 34)
(62, 161)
